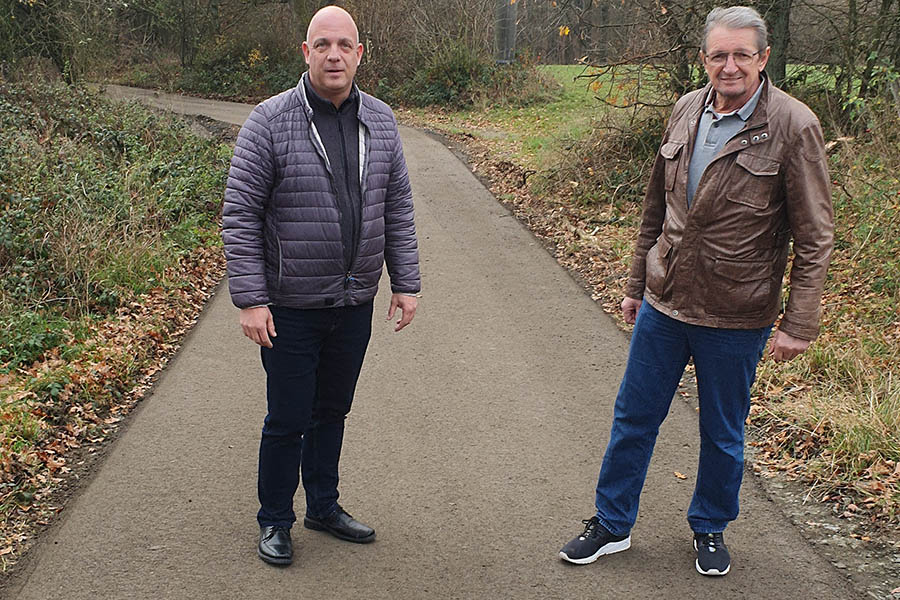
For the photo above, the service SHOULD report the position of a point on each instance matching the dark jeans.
(311, 374)
(726, 361)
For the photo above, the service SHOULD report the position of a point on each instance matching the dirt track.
(473, 448)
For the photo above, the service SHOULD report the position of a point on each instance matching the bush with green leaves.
(458, 76)
(96, 202)
(450, 76)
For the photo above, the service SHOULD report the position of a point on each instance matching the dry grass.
(832, 416)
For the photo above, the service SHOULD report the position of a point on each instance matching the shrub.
(26, 335)
(96, 202)
(612, 164)
(457, 76)
(449, 77)
(516, 84)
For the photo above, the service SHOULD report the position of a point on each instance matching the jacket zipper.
(320, 149)
(357, 233)
(362, 194)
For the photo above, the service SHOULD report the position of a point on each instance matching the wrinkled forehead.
(332, 26)
(727, 38)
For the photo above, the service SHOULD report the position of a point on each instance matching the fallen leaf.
(680, 475)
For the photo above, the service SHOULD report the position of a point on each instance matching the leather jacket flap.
(663, 245)
(742, 270)
(670, 150)
(757, 165)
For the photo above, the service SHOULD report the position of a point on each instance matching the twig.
(785, 421)
(868, 235)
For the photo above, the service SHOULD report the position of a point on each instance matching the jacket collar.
(744, 112)
(757, 118)
(755, 130)
(363, 112)
(322, 106)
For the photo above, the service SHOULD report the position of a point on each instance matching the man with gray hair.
(741, 172)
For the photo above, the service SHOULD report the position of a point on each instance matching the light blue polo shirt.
(713, 133)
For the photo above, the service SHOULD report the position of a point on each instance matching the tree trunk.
(778, 15)
(505, 32)
(876, 44)
(601, 31)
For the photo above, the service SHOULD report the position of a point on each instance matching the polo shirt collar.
(743, 112)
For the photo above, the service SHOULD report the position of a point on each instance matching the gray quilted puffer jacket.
(281, 223)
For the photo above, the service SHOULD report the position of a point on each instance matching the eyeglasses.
(741, 59)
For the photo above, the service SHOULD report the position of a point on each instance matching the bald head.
(331, 16)
(332, 51)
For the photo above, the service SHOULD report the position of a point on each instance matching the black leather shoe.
(342, 526)
(275, 545)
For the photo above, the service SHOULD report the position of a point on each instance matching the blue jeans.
(725, 360)
(311, 374)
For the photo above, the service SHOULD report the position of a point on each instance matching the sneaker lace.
(713, 541)
(590, 527)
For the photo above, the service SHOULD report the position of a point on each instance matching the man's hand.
(785, 347)
(258, 325)
(630, 308)
(407, 306)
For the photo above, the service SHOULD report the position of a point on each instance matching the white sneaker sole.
(710, 572)
(610, 548)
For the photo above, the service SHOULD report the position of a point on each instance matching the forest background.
(109, 216)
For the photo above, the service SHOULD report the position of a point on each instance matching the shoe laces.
(271, 533)
(590, 527)
(713, 541)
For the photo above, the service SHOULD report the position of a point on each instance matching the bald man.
(317, 201)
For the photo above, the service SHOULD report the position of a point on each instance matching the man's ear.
(305, 47)
(764, 58)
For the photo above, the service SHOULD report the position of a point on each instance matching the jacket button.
(764, 135)
(743, 142)
(674, 313)
(755, 138)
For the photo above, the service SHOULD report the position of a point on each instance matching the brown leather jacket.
(721, 262)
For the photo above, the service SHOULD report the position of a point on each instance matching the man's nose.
(730, 65)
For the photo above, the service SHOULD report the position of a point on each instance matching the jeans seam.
(606, 525)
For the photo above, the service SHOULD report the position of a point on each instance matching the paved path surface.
(473, 448)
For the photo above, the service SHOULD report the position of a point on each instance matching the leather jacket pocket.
(755, 180)
(657, 266)
(670, 152)
(740, 287)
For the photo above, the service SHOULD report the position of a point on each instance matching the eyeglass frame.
(734, 56)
